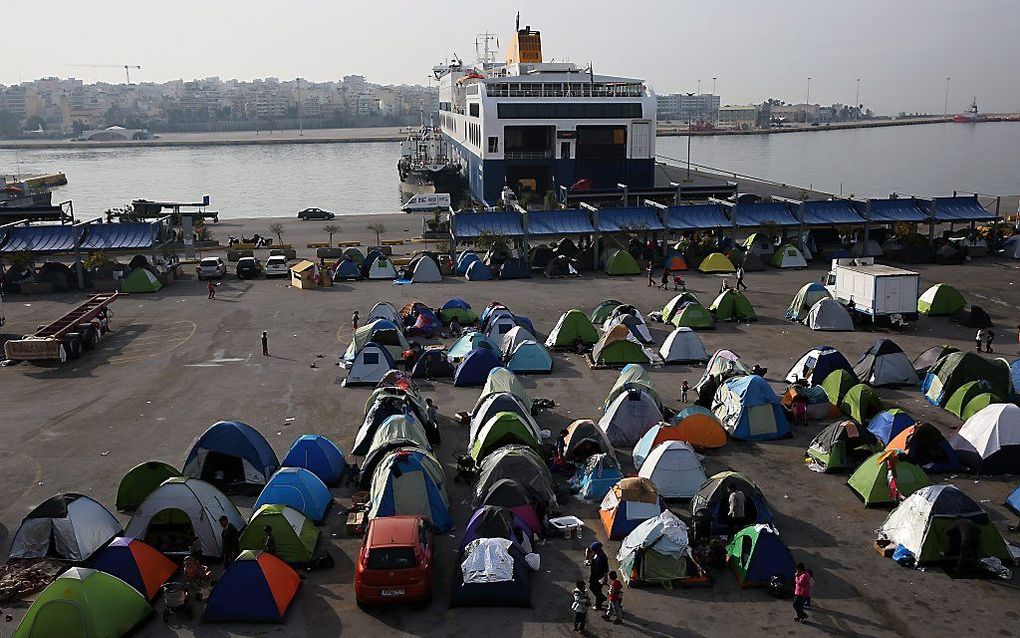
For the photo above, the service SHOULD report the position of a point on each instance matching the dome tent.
(540, 256)
(788, 256)
(596, 476)
(731, 305)
(584, 439)
(512, 495)
(830, 316)
(231, 454)
(713, 495)
(837, 383)
(632, 376)
(464, 261)
(318, 455)
(503, 428)
(972, 317)
(694, 316)
(884, 479)
(923, 445)
(515, 337)
(629, 416)
(675, 468)
(941, 300)
(297, 488)
(815, 365)
(716, 263)
(523, 465)
(887, 424)
(384, 332)
(502, 380)
(683, 346)
(805, 299)
(860, 403)
(378, 266)
(475, 367)
(530, 356)
(602, 311)
(674, 305)
(627, 504)
(962, 397)
(492, 405)
(513, 268)
(573, 326)
(620, 262)
(460, 309)
(296, 536)
(924, 361)
(560, 266)
(65, 526)
(466, 344)
(656, 552)
(136, 563)
(989, 441)
(697, 426)
(355, 255)
(885, 364)
(478, 271)
(750, 410)
(956, 369)
(637, 326)
(141, 280)
(384, 310)
(347, 270)
(410, 481)
(842, 446)
(140, 481)
(756, 555)
(619, 347)
(257, 587)
(370, 364)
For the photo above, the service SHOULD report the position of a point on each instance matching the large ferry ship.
(537, 127)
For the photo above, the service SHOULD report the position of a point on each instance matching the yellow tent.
(716, 262)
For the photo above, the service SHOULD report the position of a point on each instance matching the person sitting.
(196, 575)
(455, 328)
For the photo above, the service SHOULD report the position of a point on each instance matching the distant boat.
(969, 116)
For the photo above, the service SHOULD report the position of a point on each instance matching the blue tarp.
(468, 225)
(960, 209)
(39, 239)
(119, 236)
(830, 213)
(559, 222)
(896, 210)
(697, 216)
(763, 214)
(614, 220)
(319, 455)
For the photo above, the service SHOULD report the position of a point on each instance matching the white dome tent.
(675, 468)
(683, 346)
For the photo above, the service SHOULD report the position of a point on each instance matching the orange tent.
(628, 504)
(702, 431)
(674, 263)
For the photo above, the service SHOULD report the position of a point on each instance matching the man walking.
(265, 343)
(598, 563)
(989, 337)
(740, 278)
(354, 321)
(651, 277)
(978, 338)
(231, 539)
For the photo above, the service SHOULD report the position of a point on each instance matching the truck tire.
(88, 336)
(72, 343)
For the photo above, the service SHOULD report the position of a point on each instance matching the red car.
(395, 561)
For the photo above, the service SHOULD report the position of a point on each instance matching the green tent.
(958, 368)
(963, 395)
(503, 428)
(940, 300)
(842, 446)
(141, 280)
(603, 310)
(621, 262)
(674, 305)
(615, 349)
(871, 480)
(140, 481)
(573, 325)
(465, 316)
(756, 555)
(84, 603)
(836, 385)
(860, 403)
(695, 317)
(634, 376)
(807, 296)
(978, 403)
(716, 263)
(295, 535)
(731, 305)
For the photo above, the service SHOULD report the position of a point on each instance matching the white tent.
(683, 346)
(426, 271)
(494, 404)
(516, 336)
(1011, 247)
(989, 441)
(629, 416)
(873, 249)
(382, 268)
(675, 468)
(829, 315)
(203, 505)
(383, 310)
(911, 522)
(635, 323)
(71, 525)
(788, 256)
(500, 327)
(369, 365)
(503, 380)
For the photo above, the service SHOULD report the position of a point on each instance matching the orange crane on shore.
(127, 68)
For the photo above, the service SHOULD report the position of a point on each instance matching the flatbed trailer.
(67, 337)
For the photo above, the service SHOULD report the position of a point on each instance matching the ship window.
(521, 111)
(473, 110)
(493, 144)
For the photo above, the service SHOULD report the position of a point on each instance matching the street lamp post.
(857, 98)
(945, 106)
(807, 100)
(699, 87)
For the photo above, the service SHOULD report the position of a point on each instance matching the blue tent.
(689, 410)
(456, 302)
(231, 454)
(739, 404)
(817, 364)
(756, 555)
(887, 424)
(1013, 501)
(596, 477)
(475, 367)
(347, 269)
(478, 271)
(421, 475)
(257, 587)
(465, 260)
(465, 345)
(319, 455)
(1014, 373)
(530, 356)
(514, 268)
(298, 488)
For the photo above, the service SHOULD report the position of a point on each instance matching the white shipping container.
(878, 290)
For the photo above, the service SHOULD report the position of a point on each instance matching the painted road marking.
(152, 342)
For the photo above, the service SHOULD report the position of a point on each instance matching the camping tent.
(656, 552)
(513, 268)
(959, 368)
(573, 326)
(66, 527)
(683, 346)
(141, 280)
(961, 399)
(257, 587)
(885, 364)
(464, 261)
(395, 432)
(805, 299)
(182, 512)
(989, 441)
(674, 305)
(466, 344)
(502, 380)
(630, 377)
(381, 411)
(596, 476)
(433, 363)
(385, 332)
(460, 309)
(924, 361)
(674, 263)
(925, 523)
(716, 263)
(756, 555)
(731, 305)
(638, 328)
(478, 271)
(629, 416)
(584, 438)
(384, 310)
(523, 465)
(837, 383)
(347, 270)
(510, 494)
(355, 255)
(620, 262)
(860, 403)
(475, 367)
(298, 488)
(788, 256)
(842, 446)
(759, 244)
(296, 536)
(923, 445)
(492, 405)
(494, 521)
(750, 410)
(85, 603)
(602, 311)
(675, 469)
(887, 424)
(426, 271)
(627, 504)
(379, 266)
(318, 455)
(530, 356)
(503, 428)
(713, 497)
(884, 479)
(941, 300)
(540, 256)
(618, 347)
(722, 365)
(369, 366)
(410, 481)
(515, 337)
(815, 366)
(698, 426)
(231, 454)
(972, 317)
(815, 399)
(136, 563)
(694, 316)
(140, 481)
(492, 572)
(829, 315)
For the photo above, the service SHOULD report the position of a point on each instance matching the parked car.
(315, 213)
(395, 561)
(211, 268)
(248, 268)
(276, 266)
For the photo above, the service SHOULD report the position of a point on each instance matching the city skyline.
(903, 53)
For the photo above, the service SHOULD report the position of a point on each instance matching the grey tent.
(829, 315)
(885, 364)
(66, 526)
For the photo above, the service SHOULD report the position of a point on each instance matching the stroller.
(467, 470)
(176, 600)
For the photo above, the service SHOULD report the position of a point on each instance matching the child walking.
(580, 606)
(684, 389)
(615, 610)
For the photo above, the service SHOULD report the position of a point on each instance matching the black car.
(248, 268)
(315, 213)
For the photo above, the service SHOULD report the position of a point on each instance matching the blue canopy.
(226, 439)
(39, 239)
(830, 213)
(470, 225)
(763, 214)
(475, 368)
(133, 235)
(959, 209)
(896, 210)
(614, 220)
(559, 222)
(698, 216)
(298, 488)
(319, 455)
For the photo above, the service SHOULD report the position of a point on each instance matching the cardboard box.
(356, 522)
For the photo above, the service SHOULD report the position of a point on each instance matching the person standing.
(231, 539)
(580, 606)
(211, 287)
(989, 337)
(684, 389)
(269, 544)
(978, 338)
(651, 278)
(431, 410)
(615, 610)
(354, 321)
(740, 277)
(736, 504)
(664, 280)
(265, 343)
(561, 444)
(598, 563)
(801, 591)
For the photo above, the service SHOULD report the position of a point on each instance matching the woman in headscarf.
(595, 557)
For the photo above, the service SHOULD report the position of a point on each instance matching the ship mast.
(486, 54)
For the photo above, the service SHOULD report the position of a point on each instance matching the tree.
(332, 229)
(378, 229)
(277, 229)
(10, 123)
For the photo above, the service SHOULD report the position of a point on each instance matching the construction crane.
(127, 68)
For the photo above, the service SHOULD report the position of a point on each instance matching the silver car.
(211, 268)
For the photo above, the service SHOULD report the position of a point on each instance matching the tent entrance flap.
(409, 493)
(171, 532)
(64, 618)
(762, 419)
(223, 469)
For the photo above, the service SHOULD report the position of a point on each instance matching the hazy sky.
(902, 50)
